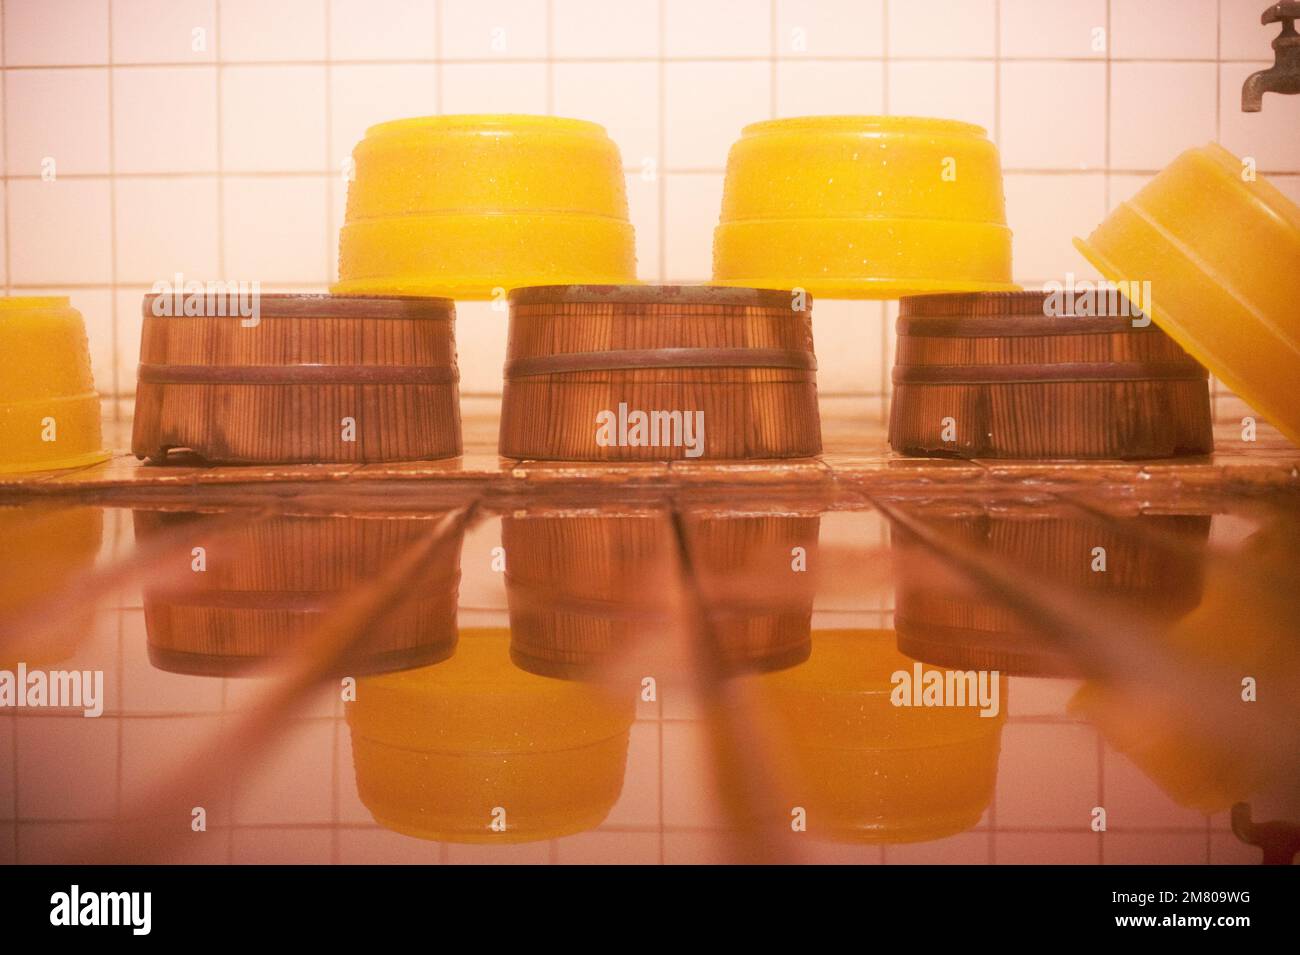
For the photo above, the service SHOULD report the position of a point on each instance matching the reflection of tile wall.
(225, 160)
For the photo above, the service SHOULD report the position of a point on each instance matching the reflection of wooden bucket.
(759, 605)
(1153, 566)
(738, 361)
(586, 588)
(864, 769)
(440, 751)
(43, 552)
(270, 583)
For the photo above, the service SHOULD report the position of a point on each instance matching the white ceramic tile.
(382, 30)
(716, 28)
(1053, 848)
(942, 28)
(944, 89)
(166, 226)
(7, 769)
(487, 29)
(1156, 848)
(293, 784)
(60, 115)
(284, 30)
(1054, 768)
(278, 846)
(363, 95)
(847, 338)
(374, 846)
(4, 267)
(59, 232)
(1133, 799)
(165, 119)
(127, 346)
(337, 212)
(1272, 135)
(1289, 186)
(1053, 115)
(164, 31)
(622, 97)
(966, 848)
(598, 28)
(816, 28)
(273, 118)
(708, 104)
(1164, 29)
(494, 88)
(1158, 110)
(643, 208)
(691, 213)
(1241, 35)
(638, 802)
(274, 229)
(1125, 186)
(55, 32)
(1045, 214)
(820, 88)
(523, 853)
(45, 744)
(608, 848)
(480, 346)
(1041, 28)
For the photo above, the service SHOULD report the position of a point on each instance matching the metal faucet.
(1284, 75)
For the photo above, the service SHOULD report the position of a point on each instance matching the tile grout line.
(113, 260)
(661, 174)
(330, 158)
(883, 313)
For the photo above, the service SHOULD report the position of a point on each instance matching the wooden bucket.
(269, 585)
(659, 373)
(318, 378)
(993, 375)
(1154, 567)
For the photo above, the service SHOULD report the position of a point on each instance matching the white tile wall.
(207, 135)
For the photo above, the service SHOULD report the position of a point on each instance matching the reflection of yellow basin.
(49, 411)
(1245, 626)
(438, 750)
(864, 207)
(42, 552)
(864, 769)
(460, 205)
(1220, 253)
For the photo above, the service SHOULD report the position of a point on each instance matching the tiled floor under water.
(487, 661)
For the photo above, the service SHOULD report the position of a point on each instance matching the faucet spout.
(1284, 75)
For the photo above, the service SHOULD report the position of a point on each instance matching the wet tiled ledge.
(857, 460)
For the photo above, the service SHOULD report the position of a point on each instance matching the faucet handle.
(1287, 12)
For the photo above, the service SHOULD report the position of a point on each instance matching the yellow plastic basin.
(1221, 254)
(461, 205)
(864, 207)
(49, 411)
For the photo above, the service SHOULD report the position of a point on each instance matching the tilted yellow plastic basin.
(1221, 249)
(459, 206)
(49, 411)
(864, 207)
